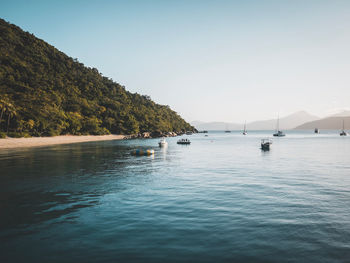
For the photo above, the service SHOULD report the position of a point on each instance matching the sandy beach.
(10, 143)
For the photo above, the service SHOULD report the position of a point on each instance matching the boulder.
(146, 135)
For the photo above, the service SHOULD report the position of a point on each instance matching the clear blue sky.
(209, 60)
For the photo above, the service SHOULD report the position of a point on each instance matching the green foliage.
(17, 134)
(2, 135)
(43, 92)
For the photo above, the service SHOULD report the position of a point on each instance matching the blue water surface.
(220, 199)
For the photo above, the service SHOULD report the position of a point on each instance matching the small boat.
(317, 130)
(227, 130)
(278, 133)
(184, 141)
(189, 133)
(140, 152)
(245, 128)
(265, 144)
(163, 143)
(343, 132)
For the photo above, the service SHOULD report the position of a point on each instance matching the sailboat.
(278, 133)
(343, 132)
(245, 128)
(227, 130)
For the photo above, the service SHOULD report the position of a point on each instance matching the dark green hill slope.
(45, 92)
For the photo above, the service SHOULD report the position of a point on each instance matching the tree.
(10, 111)
(55, 94)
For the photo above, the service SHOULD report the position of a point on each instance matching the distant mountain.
(344, 113)
(216, 126)
(286, 123)
(329, 123)
(197, 123)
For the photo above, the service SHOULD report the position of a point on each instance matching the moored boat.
(163, 143)
(140, 152)
(317, 130)
(278, 133)
(184, 141)
(265, 144)
(245, 129)
(343, 132)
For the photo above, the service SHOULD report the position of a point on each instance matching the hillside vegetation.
(43, 92)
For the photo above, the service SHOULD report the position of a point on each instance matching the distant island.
(44, 92)
(300, 120)
(329, 123)
(286, 123)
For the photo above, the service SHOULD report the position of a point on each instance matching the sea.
(220, 199)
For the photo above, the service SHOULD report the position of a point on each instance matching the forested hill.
(43, 92)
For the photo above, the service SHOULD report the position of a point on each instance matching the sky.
(208, 60)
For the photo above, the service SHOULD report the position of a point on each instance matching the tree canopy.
(44, 92)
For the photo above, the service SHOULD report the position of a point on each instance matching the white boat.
(184, 141)
(278, 133)
(163, 143)
(343, 132)
(265, 144)
(245, 128)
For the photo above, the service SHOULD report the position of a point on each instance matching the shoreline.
(13, 143)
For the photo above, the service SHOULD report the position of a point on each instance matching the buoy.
(140, 152)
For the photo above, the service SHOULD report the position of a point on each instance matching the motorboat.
(265, 144)
(189, 133)
(184, 141)
(317, 130)
(343, 133)
(163, 143)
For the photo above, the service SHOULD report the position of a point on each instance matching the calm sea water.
(221, 199)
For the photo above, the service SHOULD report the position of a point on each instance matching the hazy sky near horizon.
(209, 60)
